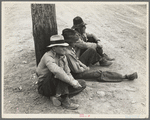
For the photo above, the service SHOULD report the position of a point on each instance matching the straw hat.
(57, 40)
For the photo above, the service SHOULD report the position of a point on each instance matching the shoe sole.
(136, 75)
(110, 59)
(55, 101)
(70, 108)
(106, 65)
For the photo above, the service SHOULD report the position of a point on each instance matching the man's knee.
(91, 50)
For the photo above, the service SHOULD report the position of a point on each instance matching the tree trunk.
(44, 26)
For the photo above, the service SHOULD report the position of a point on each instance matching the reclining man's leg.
(107, 76)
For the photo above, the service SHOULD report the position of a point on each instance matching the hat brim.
(62, 44)
(78, 26)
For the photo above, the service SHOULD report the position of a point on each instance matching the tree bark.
(44, 26)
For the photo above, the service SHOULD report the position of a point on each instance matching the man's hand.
(87, 68)
(99, 45)
(76, 84)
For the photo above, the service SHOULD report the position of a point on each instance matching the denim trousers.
(51, 86)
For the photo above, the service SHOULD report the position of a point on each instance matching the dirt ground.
(122, 29)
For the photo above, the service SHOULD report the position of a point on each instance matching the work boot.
(104, 62)
(108, 58)
(68, 105)
(131, 76)
(55, 100)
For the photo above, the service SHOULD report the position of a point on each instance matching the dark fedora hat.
(70, 35)
(78, 22)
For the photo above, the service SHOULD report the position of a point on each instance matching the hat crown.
(56, 38)
(67, 33)
(70, 35)
(77, 20)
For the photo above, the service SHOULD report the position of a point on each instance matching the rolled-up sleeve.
(56, 70)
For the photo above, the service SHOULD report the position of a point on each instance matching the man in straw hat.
(89, 41)
(79, 65)
(55, 80)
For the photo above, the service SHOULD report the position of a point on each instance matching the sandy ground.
(122, 28)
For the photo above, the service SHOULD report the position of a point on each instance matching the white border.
(76, 115)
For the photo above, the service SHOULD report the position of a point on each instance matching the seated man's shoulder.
(49, 55)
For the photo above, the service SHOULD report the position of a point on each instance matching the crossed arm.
(76, 65)
(59, 72)
(91, 44)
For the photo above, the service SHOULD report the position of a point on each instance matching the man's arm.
(93, 38)
(75, 65)
(81, 44)
(83, 65)
(58, 71)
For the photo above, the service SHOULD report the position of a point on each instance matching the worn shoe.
(132, 76)
(104, 62)
(108, 58)
(71, 106)
(68, 105)
(55, 101)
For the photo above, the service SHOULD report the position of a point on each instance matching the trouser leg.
(51, 86)
(98, 75)
(64, 88)
(47, 87)
(89, 57)
(111, 77)
(99, 50)
(89, 74)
